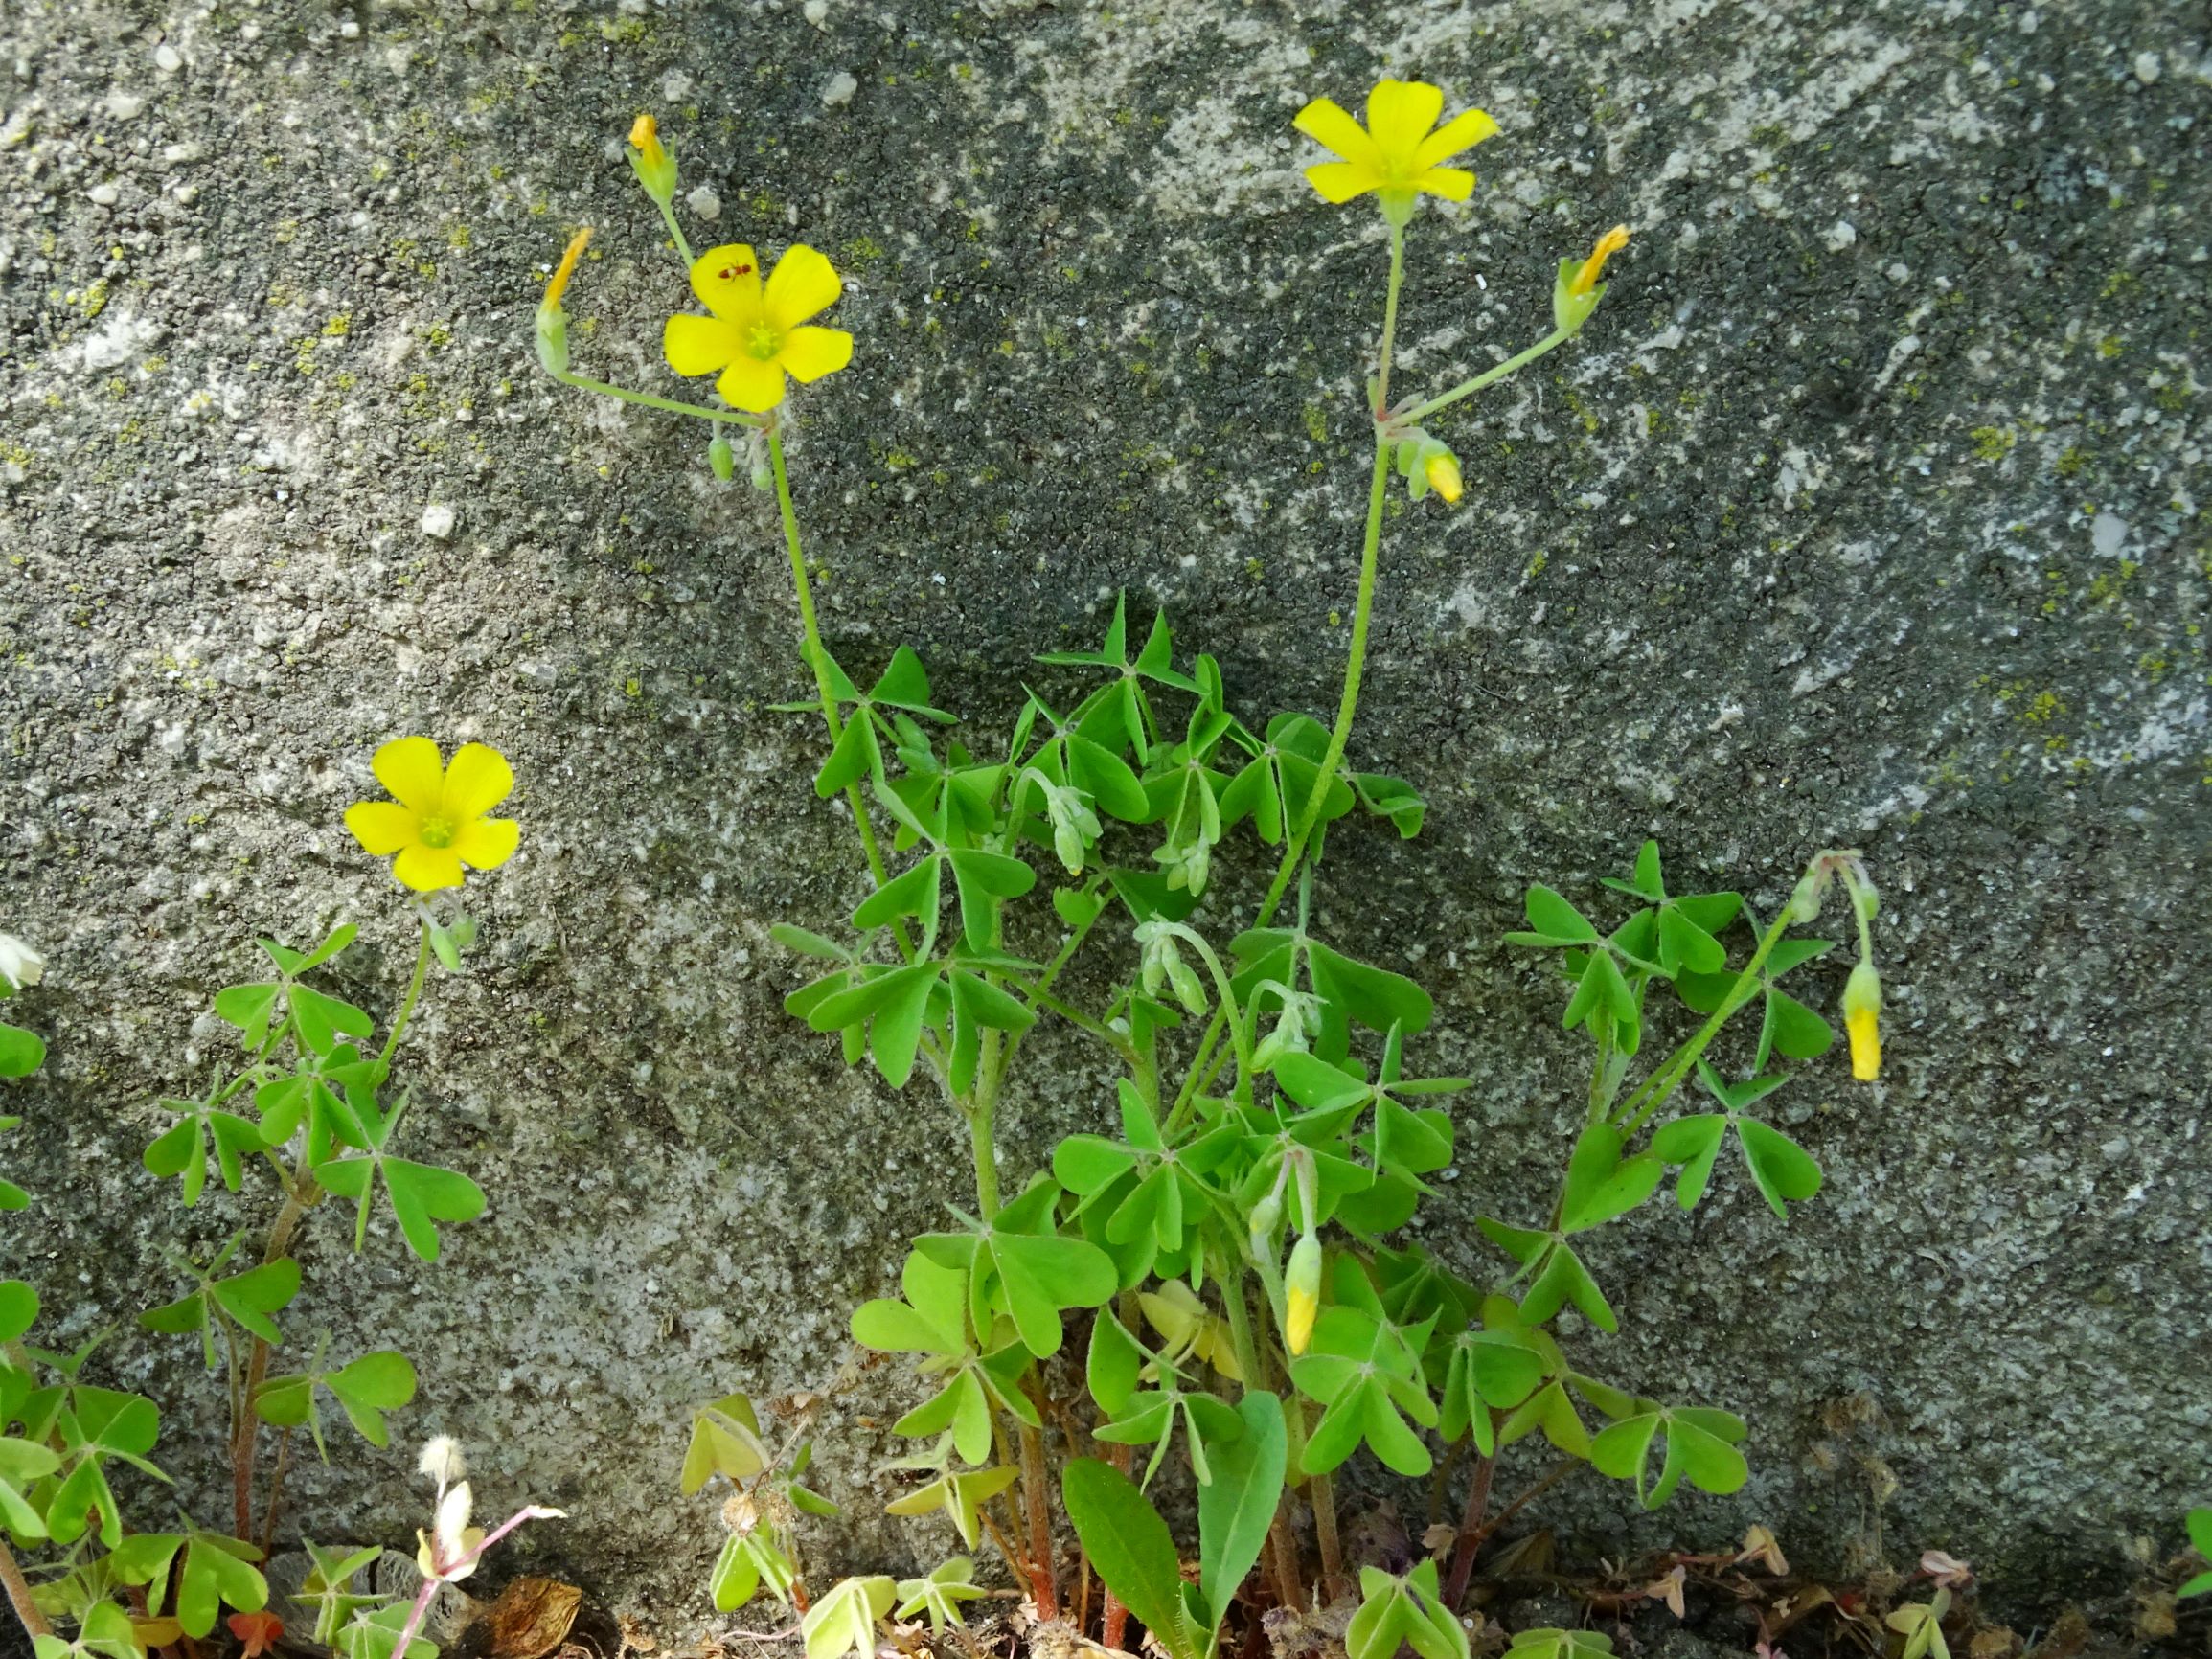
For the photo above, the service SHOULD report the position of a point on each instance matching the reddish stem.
(1470, 1531)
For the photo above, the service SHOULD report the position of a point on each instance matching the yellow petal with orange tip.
(645, 138)
(1607, 245)
(413, 771)
(558, 283)
(811, 353)
(804, 284)
(727, 280)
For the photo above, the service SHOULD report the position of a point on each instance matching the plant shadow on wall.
(310, 1107)
(1220, 1255)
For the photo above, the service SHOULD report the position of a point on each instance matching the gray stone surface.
(1867, 512)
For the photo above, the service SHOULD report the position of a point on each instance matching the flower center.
(437, 831)
(763, 342)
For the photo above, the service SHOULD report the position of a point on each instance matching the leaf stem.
(1488, 378)
(1653, 1092)
(646, 399)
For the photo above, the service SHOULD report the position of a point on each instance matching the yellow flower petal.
(410, 768)
(727, 280)
(488, 843)
(1341, 181)
(477, 781)
(1463, 131)
(695, 344)
(751, 385)
(803, 284)
(1864, 1024)
(381, 826)
(1329, 122)
(428, 869)
(812, 352)
(1451, 183)
(1398, 115)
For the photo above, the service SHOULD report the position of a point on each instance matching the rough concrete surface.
(1866, 512)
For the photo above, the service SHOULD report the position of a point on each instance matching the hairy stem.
(18, 1589)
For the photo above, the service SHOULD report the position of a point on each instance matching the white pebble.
(1841, 236)
(438, 522)
(124, 105)
(705, 203)
(2147, 67)
(105, 195)
(168, 58)
(816, 11)
(839, 88)
(676, 87)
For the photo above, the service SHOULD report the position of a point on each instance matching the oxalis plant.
(306, 1110)
(1219, 1247)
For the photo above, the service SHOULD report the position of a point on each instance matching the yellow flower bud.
(1301, 1293)
(1862, 1021)
(566, 269)
(1607, 245)
(651, 161)
(1441, 468)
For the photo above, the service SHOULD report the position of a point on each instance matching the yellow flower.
(1607, 245)
(435, 823)
(1395, 154)
(558, 284)
(1301, 1293)
(645, 139)
(1862, 1021)
(1441, 468)
(758, 332)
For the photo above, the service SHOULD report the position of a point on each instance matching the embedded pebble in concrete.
(1868, 511)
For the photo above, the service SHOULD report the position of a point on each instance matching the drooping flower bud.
(720, 455)
(1441, 467)
(1301, 1293)
(1862, 1020)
